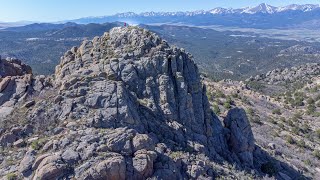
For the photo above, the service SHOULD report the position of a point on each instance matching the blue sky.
(55, 10)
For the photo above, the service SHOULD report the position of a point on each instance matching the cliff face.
(124, 106)
(131, 78)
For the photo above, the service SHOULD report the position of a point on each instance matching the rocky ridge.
(278, 76)
(300, 49)
(125, 106)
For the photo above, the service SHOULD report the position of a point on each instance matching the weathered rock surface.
(16, 84)
(241, 140)
(127, 106)
(26, 163)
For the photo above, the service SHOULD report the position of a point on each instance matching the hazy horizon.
(59, 10)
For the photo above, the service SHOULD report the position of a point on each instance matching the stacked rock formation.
(127, 106)
(15, 77)
(16, 84)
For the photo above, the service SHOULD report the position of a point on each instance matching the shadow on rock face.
(251, 157)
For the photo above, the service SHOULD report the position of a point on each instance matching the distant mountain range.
(261, 16)
(74, 29)
(4, 25)
(261, 8)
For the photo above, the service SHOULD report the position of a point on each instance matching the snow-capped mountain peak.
(127, 14)
(218, 10)
(261, 8)
(296, 7)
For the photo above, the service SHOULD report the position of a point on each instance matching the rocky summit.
(125, 105)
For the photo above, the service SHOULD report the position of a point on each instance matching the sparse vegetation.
(316, 154)
(257, 86)
(250, 112)
(216, 109)
(256, 120)
(318, 133)
(220, 94)
(301, 143)
(289, 139)
(227, 105)
(311, 109)
(12, 176)
(37, 144)
(307, 162)
(276, 111)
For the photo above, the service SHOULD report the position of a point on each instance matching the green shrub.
(288, 94)
(289, 100)
(273, 121)
(282, 119)
(216, 109)
(220, 94)
(299, 94)
(276, 111)
(311, 109)
(229, 100)
(298, 101)
(301, 143)
(318, 133)
(256, 120)
(295, 130)
(210, 95)
(37, 144)
(246, 100)
(297, 115)
(305, 128)
(255, 85)
(227, 105)
(250, 112)
(310, 101)
(281, 125)
(290, 123)
(12, 176)
(314, 89)
(307, 162)
(290, 139)
(316, 153)
(316, 114)
(235, 95)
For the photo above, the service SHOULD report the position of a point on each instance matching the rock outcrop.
(300, 49)
(127, 106)
(289, 75)
(17, 83)
(241, 140)
(13, 67)
(15, 78)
